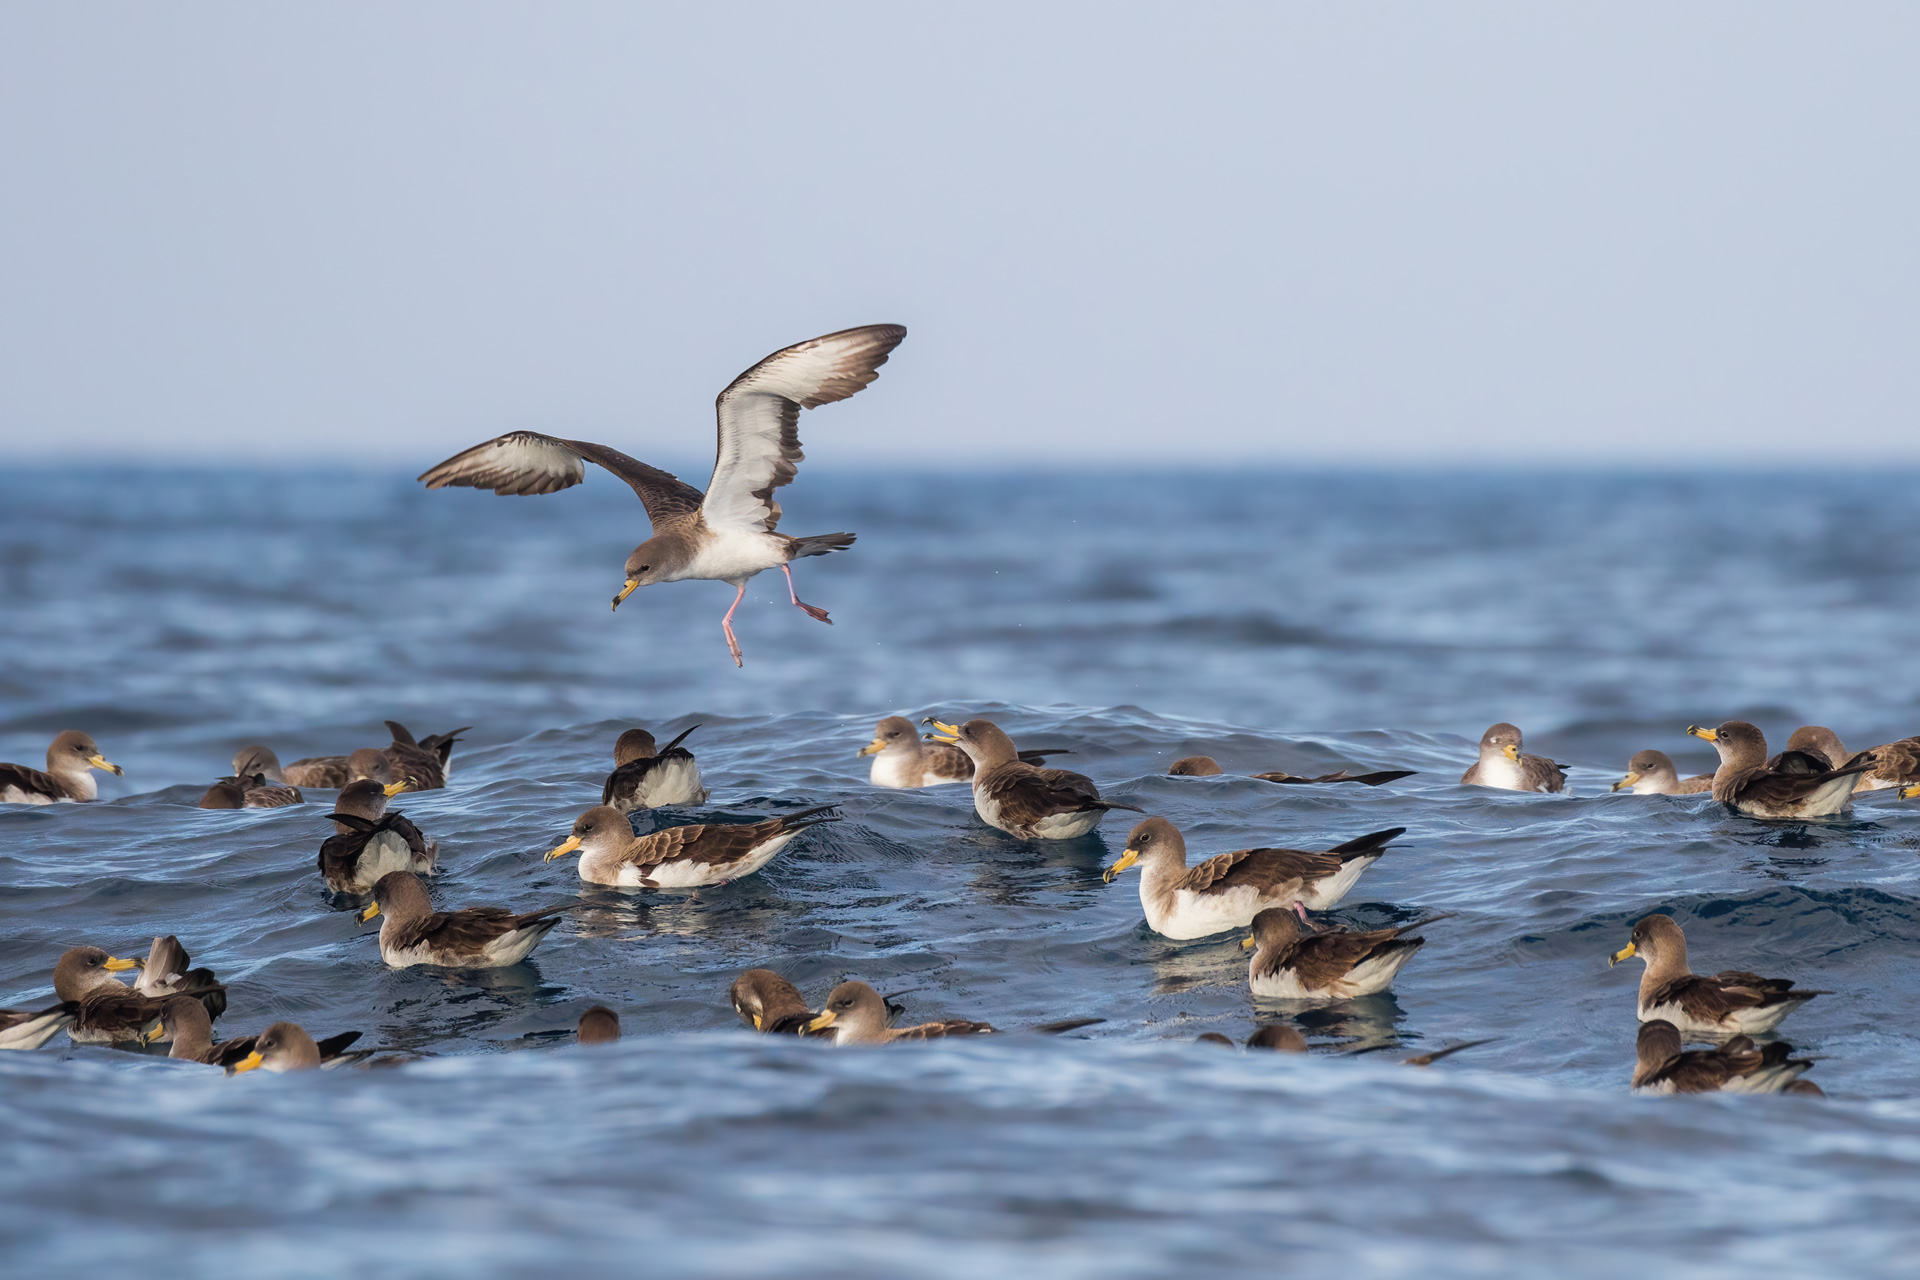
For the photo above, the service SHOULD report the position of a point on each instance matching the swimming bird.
(643, 778)
(1024, 800)
(1651, 773)
(286, 1046)
(768, 1003)
(1290, 963)
(856, 1014)
(1208, 767)
(1895, 764)
(679, 857)
(901, 758)
(1277, 1037)
(598, 1025)
(29, 1029)
(184, 1021)
(425, 765)
(1792, 785)
(107, 1011)
(71, 760)
(168, 970)
(726, 534)
(327, 773)
(1227, 891)
(1502, 764)
(1732, 1002)
(368, 841)
(1663, 1065)
(250, 792)
(471, 938)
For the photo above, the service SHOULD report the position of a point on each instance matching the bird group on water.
(382, 863)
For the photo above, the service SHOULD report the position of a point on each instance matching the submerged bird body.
(855, 1014)
(1292, 963)
(726, 534)
(1208, 767)
(688, 857)
(413, 933)
(71, 760)
(184, 1020)
(1227, 891)
(643, 778)
(902, 758)
(333, 773)
(1024, 800)
(368, 842)
(1664, 1065)
(598, 1025)
(1502, 764)
(1795, 784)
(252, 791)
(1732, 1002)
(1651, 773)
(768, 1003)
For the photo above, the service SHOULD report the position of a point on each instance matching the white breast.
(733, 555)
(1502, 772)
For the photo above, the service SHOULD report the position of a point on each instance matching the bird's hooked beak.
(1627, 781)
(1246, 944)
(756, 1023)
(626, 591)
(948, 733)
(159, 1029)
(247, 1063)
(1511, 751)
(562, 849)
(98, 761)
(373, 909)
(1908, 793)
(393, 789)
(874, 748)
(824, 1020)
(1627, 952)
(1709, 734)
(116, 964)
(1127, 859)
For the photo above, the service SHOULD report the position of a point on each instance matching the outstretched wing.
(526, 462)
(759, 415)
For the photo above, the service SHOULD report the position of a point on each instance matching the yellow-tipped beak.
(1127, 859)
(1908, 793)
(1246, 943)
(247, 1063)
(625, 591)
(562, 849)
(873, 748)
(98, 761)
(824, 1020)
(373, 909)
(942, 732)
(756, 1022)
(1625, 953)
(1709, 734)
(395, 788)
(1510, 751)
(1627, 781)
(159, 1029)
(116, 964)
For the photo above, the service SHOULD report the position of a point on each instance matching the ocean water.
(1290, 620)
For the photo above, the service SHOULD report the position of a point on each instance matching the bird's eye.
(645, 567)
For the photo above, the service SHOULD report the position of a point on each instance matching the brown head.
(1658, 942)
(1273, 928)
(893, 732)
(73, 752)
(1279, 1037)
(260, 760)
(1195, 767)
(983, 741)
(1501, 740)
(599, 1025)
(634, 744)
(601, 829)
(284, 1046)
(1820, 740)
(1214, 1037)
(86, 969)
(855, 1012)
(401, 897)
(764, 999)
(1658, 1044)
(368, 762)
(227, 793)
(365, 798)
(1151, 840)
(184, 1019)
(1649, 766)
(652, 561)
(1740, 744)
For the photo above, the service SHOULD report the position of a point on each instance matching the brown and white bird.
(644, 778)
(184, 1020)
(1794, 784)
(1208, 767)
(689, 857)
(1227, 891)
(1651, 773)
(1021, 799)
(855, 1014)
(71, 760)
(425, 765)
(728, 533)
(1664, 1065)
(1732, 1002)
(768, 1003)
(902, 758)
(1895, 764)
(368, 841)
(253, 791)
(1502, 764)
(1290, 962)
(414, 933)
(106, 1010)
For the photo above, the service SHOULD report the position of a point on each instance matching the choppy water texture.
(1279, 621)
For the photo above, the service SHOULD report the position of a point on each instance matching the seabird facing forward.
(1651, 773)
(689, 857)
(71, 760)
(1503, 765)
(368, 841)
(855, 1014)
(726, 534)
(1291, 963)
(471, 938)
(1024, 800)
(643, 778)
(1229, 890)
(1793, 784)
(1732, 1002)
(902, 758)
(1664, 1065)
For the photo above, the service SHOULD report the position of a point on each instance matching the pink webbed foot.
(817, 614)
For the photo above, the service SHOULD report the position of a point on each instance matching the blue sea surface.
(1287, 620)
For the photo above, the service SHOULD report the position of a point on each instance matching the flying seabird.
(768, 1003)
(252, 791)
(856, 1014)
(1651, 773)
(1732, 1002)
(643, 778)
(471, 938)
(1794, 784)
(726, 534)
(1664, 1065)
(1227, 891)
(902, 758)
(71, 761)
(1501, 764)
(1024, 800)
(598, 1025)
(184, 1021)
(679, 857)
(368, 841)
(1290, 963)
(29, 1029)
(1208, 767)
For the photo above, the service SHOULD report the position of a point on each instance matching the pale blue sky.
(1348, 233)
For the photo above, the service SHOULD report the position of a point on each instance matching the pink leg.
(811, 611)
(726, 625)
(1300, 908)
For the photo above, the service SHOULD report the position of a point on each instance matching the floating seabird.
(71, 761)
(1732, 1002)
(726, 534)
(107, 1011)
(286, 1046)
(598, 1025)
(1024, 800)
(1291, 963)
(1227, 891)
(679, 857)
(1277, 1037)
(768, 1003)
(471, 938)
(1820, 743)
(425, 764)
(1794, 784)
(368, 841)
(1651, 773)
(29, 1029)
(1895, 764)
(253, 791)
(331, 773)
(1208, 767)
(855, 1014)
(901, 758)
(1665, 1066)
(168, 970)
(184, 1021)
(1501, 764)
(643, 778)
